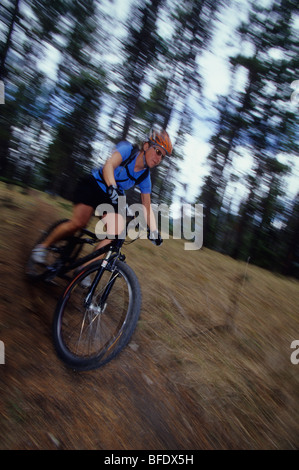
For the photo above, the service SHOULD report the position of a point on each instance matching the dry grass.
(219, 331)
(223, 330)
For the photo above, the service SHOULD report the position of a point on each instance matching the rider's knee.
(114, 224)
(77, 224)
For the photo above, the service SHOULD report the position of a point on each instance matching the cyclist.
(127, 166)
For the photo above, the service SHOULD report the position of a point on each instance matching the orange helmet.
(162, 139)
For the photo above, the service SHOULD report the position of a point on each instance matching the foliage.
(108, 77)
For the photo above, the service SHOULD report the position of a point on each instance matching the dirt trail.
(129, 404)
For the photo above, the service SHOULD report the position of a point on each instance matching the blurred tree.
(9, 17)
(48, 124)
(271, 125)
(70, 153)
(290, 260)
(223, 143)
(263, 249)
(19, 54)
(76, 101)
(140, 51)
(178, 79)
(193, 25)
(33, 102)
(259, 120)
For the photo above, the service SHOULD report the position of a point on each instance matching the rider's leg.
(82, 213)
(80, 218)
(114, 225)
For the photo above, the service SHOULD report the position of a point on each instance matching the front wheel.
(89, 334)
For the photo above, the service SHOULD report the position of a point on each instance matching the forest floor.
(208, 367)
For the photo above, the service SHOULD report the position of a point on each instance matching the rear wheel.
(58, 254)
(88, 336)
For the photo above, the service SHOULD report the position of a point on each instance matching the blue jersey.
(125, 176)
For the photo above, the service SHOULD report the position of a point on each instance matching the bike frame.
(65, 265)
(113, 253)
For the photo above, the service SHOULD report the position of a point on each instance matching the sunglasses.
(159, 153)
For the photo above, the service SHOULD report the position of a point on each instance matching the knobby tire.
(88, 338)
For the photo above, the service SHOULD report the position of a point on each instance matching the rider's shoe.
(86, 282)
(39, 254)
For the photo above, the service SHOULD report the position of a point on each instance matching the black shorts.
(89, 192)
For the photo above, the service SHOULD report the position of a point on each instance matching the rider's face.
(154, 155)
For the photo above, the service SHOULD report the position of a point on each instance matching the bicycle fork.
(104, 296)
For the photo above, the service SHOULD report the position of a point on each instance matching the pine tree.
(266, 117)
(75, 103)
(220, 158)
(140, 52)
(9, 16)
(290, 260)
(178, 79)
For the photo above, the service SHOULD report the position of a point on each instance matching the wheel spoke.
(101, 322)
(87, 337)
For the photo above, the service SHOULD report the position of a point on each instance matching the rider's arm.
(148, 212)
(108, 169)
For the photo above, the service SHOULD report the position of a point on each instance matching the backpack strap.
(125, 164)
(131, 157)
(142, 176)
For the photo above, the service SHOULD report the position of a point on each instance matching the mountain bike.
(93, 320)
